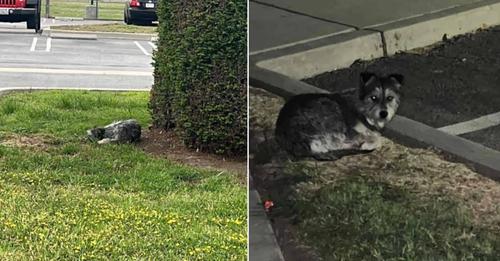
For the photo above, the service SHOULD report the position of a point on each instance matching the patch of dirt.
(166, 144)
(422, 171)
(32, 142)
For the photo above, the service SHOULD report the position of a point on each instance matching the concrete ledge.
(88, 35)
(62, 18)
(340, 51)
(484, 160)
(17, 31)
(279, 84)
(429, 29)
(70, 35)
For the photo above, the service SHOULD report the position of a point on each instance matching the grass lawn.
(64, 198)
(61, 8)
(361, 216)
(396, 203)
(117, 28)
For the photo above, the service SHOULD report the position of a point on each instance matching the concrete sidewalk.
(275, 23)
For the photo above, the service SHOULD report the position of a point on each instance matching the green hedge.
(200, 73)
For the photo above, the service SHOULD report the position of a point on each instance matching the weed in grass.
(8, 107)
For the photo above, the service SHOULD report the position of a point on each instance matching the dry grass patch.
(31, 142)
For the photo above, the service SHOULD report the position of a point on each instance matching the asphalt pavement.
(32, 60)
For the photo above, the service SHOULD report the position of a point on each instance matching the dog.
(126, 131)
(330, 126)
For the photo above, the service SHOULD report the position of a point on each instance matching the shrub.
(200, 73)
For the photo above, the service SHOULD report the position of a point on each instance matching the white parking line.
(69, 71)
(49, 44)
(152, 45)
(142, 48)
(33, 44)
(480, 123)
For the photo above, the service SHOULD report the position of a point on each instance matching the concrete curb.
(279, 84)
(88, 35)
(6, 90)
(339, 51)
(484, 160)
(428, 29)
(262, 241)
(68, 18)
(18, 31)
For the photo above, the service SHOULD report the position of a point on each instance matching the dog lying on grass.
(330, 126)
(126, 131)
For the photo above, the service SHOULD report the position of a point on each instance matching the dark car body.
(140, 11)
(21, 10)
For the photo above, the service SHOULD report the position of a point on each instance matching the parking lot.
(33, 60)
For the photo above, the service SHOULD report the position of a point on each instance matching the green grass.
(76, 200)
(61, 8)
(121, 28)
(360, 217)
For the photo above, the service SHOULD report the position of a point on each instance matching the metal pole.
(47, 8)
(97, 9)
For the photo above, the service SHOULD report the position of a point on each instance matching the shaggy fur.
(329, 126)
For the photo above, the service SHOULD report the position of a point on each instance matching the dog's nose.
(383, 114)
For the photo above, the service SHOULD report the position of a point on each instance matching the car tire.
(126, 18)
(33, 22)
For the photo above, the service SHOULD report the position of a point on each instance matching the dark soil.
(489, 137)
(456, 80)
(166, 144)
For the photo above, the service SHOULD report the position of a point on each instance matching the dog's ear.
(366, 77)
(398, 78)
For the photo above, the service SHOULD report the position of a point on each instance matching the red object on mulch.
(268, 204)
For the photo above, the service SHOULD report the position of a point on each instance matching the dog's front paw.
(370, 146)
(104, 141)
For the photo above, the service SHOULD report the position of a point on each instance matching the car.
(28, 11)
(140, 12)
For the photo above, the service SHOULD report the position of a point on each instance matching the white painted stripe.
(300, 42)
(480, 123)
(142, 48)
(49, 44)
(152, 45)
(68, 71)
(33, 44)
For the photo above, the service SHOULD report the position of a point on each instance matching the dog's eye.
(389, 98)
(374, 98)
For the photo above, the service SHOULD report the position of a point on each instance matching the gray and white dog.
(330, 126)
(116, 132)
